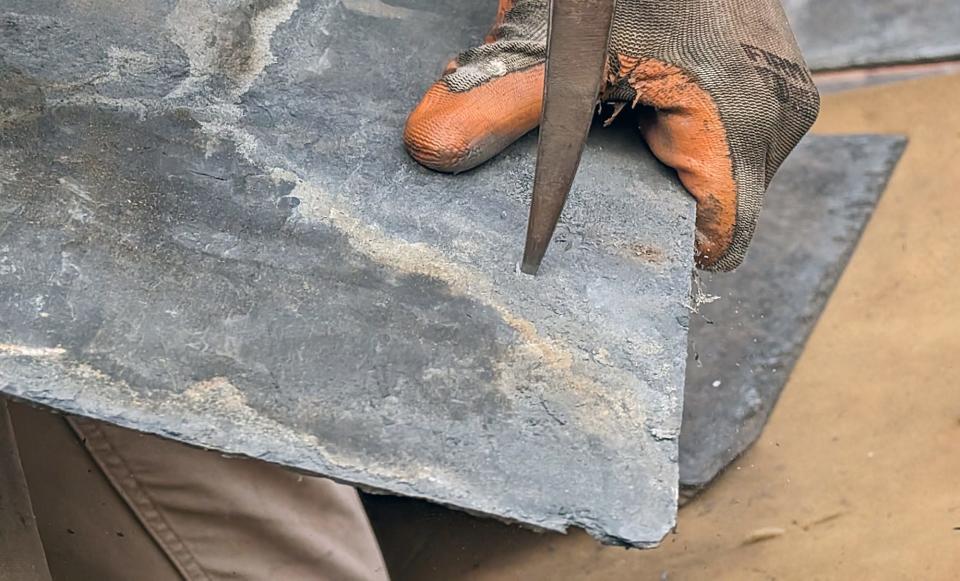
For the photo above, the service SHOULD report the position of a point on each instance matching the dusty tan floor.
(857, 476)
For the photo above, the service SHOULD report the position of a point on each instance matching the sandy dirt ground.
(857, 475)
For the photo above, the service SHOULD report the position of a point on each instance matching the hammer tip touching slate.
(579, 32)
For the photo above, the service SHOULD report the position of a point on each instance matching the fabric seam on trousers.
(137, 498)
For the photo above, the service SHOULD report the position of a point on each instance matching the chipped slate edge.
(37, 367)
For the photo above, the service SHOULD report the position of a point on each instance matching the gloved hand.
(724, 91)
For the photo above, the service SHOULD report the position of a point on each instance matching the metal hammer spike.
(578, 33)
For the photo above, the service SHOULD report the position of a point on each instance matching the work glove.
(723, 92)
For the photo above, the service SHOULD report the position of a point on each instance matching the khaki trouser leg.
(124, 505)
(21, 552)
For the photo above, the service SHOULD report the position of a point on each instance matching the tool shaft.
(579, 31)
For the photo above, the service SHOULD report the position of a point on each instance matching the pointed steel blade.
(576, 52)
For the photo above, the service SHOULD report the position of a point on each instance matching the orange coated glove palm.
(726, 94)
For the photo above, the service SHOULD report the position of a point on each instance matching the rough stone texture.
(209, 231)
(744, 343)
(835, 34)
